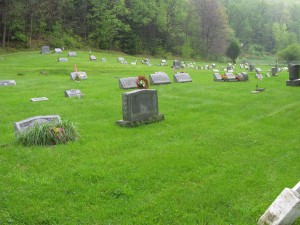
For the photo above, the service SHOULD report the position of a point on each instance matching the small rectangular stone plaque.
(217, 77)
(39, 99)
(7, 82)
(57, 50)
(182, 78)
(23, 125)
(159, 78)
(78, 76)
(72, 54)
(63, 60)
(45, 49)
(128, 82)
(230, 77)
(92, 57)
(73, 93)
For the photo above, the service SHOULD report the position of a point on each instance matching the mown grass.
(221, 156)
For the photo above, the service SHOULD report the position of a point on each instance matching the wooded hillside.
(183, 27)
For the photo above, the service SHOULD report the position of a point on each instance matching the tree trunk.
(3, 35)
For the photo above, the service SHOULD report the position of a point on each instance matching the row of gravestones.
(230, 77)
(155, 79)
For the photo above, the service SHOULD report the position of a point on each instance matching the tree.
(233, 51)
(290, 53)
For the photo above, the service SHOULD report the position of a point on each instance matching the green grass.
(221, 156)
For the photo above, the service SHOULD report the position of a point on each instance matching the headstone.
(229, 69)
(120, 59)
(39, 99)
(294, 75)
(242, 76)
(72, 54)
(267, 75)
(92, 57)
(159, 78)
(284, 210)
(140, 107)
(258, 70)
(163, 62)
(216, 71)
(57, 50)
(78, 76)
(45, 49)
(259, 76)
(177, 64)
(26, 124)
(217, 77)
(128, 82)
(182, 78)
(252, 66)
(73, 93)
(63, 60)
(7, 82)
(230, 77)
(274, 71)
(103, 60)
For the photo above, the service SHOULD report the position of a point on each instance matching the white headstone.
(72, 54)
(78, 75)
(39, 99)
(7, 82)
(73, 93)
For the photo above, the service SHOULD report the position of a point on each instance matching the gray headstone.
(242, 76)
(159, 78)
(294, 72)
(252, 67)
(230, 77)
(140, 106)
(229, 69)
(7, 82)
(182, 78)
(78, 75)
(73, 93)
(259, 76)
(28, 123)
(121, 59)
(57, 50)
(72, 54)
(92, 57)
(128, 82)
(258, 70)
(274, 71)
(103, 60)
(39, 99)
(63, 60)
(45, 49)
(217, 77)
(177, 64)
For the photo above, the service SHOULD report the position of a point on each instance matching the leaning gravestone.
(78, 76)
(284, 210)
(45, 49)
(7, 82)
(128, 82)
(73, 93)
(63, 60)
(294, 75)
(92, 57)
(159, 78)
(72, 54)
(139, 107)
(26, 124)
(217, 77)
(182, 78)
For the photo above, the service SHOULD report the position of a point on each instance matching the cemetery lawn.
(221, 156)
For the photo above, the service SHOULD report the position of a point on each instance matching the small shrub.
(49, 134)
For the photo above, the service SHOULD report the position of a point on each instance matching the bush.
(49, 134)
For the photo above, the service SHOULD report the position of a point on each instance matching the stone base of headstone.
(294, 83)
(284, 210)
(151, 119)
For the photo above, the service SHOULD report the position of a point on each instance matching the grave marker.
(39, 99)
(72, 54)
(7, 82)
(63, 60)
(159, 78)
(78, 76)
(73, 93)
(28, 123)
(128, 82)
(92, 57)
(230, 77)
(103, 60)
(217, 77)
(57, 50)
(45, 49)
(182, 78)
(139, 107)
(294, 75)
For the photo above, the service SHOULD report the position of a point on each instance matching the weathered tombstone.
(177, 64)
(72, 54)
(245, 75)
(57, 50)
(242, 76)
(92, 57)
(182, 78)
(78, 76)
(159, 78)
(267, 75)
(73, 93)
(229, 69)
(7, 82)
(284, 210)
(252, 67)
(230, 77)
(258, 70)
(274, 71)
(140, 107)
(128, 82)
(259, 76)
(103, 60)
(217, 77)
(63, 60)
(28, 123)
(294, 75)
(39, 99)
(45, 49)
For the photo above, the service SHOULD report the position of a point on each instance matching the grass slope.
(221, 156)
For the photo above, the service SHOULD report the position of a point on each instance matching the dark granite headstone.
(229, 69)
(72, 54)
(128, 82)
(7, 82)
(159, 78)
(78, 76)
(92, 57)
(24, 125)
(274, 71)
(177, 64)
(45, 49)
(140, 107)
(252, 67)
(182, 78)
(217, 77)
(73, 93)
(294, 75)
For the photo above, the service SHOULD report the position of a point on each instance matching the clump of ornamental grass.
(49, 134)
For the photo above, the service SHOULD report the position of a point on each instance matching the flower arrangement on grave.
(142, 82)
(237, 77)
(224, 77)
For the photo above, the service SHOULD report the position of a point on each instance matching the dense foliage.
(159, 27)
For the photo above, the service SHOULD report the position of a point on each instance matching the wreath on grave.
(142, 82)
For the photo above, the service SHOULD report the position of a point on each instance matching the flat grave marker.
(128, 82)
(39, 99)
(217, 77)
(63, 60)
(182, 78)
(73, 93)
(78, 76)
(159, 78)
(72, 54)
(7, 82)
